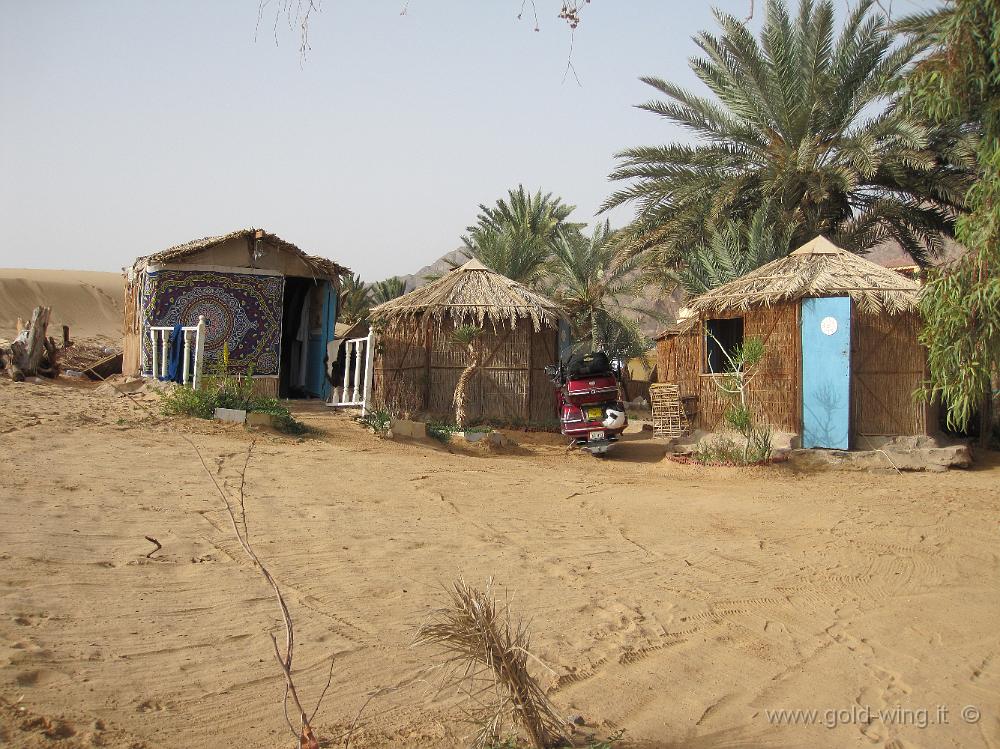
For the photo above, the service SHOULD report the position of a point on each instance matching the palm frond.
(487, 654)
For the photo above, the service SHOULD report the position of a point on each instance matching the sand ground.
(679, 603)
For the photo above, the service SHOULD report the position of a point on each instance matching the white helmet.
(613, 418)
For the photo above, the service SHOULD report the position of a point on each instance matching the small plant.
(442, 431)
(222, 389)
(377, 420)
(735, 383)
(281, 417)
(184, 401)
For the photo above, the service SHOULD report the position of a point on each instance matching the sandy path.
(678, 603)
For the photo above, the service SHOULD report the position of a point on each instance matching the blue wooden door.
(826, 372)
(316, 381)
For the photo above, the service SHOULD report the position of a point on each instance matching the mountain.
(438, 268)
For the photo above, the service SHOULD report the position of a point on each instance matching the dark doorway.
(291, 380)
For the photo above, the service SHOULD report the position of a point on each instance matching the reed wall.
(887, 365)
(416, 373)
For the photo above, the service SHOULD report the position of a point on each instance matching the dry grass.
(487, 660)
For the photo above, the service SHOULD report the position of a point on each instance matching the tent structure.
(268, 303)
(842, 356)
(417, 364)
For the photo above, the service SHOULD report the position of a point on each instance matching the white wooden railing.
(194, 355)
(357, 385)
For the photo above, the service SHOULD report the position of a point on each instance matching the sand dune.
(90, 302)
(680, 603)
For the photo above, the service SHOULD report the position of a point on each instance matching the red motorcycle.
(591, 411)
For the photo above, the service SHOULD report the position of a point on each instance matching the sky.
(128, 126)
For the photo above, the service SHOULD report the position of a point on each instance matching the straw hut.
(417, 364)
(270, 303)
(842, 357)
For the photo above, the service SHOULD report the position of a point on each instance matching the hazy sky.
(130, 126)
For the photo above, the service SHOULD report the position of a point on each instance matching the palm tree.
(515, 236)
(390, 288)
(354, 300)
(468, 336)
(803, 118)
(732, 249)
(592, 276)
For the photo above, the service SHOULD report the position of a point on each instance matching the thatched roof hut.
(265, 300)
(417, 364)
(842, 352)
(294, 261)
(817, 269)
(472, 294)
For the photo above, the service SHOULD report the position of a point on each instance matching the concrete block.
(474, 437)
(406, 428)
(259, 420)
(234, 415)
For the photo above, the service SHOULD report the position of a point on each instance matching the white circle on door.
(828, 325)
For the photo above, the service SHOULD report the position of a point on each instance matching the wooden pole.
(531, 368)
(428, 351)
(36, 338)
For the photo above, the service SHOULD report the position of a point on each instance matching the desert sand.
(679, 603)
(90, 302)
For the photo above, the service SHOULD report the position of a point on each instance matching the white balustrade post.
(369, 370)
(187, 355)
(345, 393)
(357, 370)
(199, 352)
(164, 352)
(153, 369)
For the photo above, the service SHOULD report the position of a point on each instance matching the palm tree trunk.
(463, 382)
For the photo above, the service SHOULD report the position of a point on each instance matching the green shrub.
(442, 431)
(222, 389)
(377, 420)
(726, 451)
(183, 401)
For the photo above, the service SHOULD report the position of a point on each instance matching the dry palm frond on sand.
(487, 661)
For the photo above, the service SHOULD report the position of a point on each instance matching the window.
(722, 339)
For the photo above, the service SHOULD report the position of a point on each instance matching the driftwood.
(32, 352)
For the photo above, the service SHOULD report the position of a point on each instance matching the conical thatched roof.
(471, 294)
(817, 269)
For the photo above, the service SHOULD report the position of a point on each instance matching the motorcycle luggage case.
(588, 365)
(592, 389)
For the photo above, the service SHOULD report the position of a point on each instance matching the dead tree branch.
(154, 542)
(306, 735)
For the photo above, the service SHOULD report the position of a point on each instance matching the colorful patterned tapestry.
(242, 310)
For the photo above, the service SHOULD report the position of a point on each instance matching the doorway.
(308, 316)
(826, 372)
